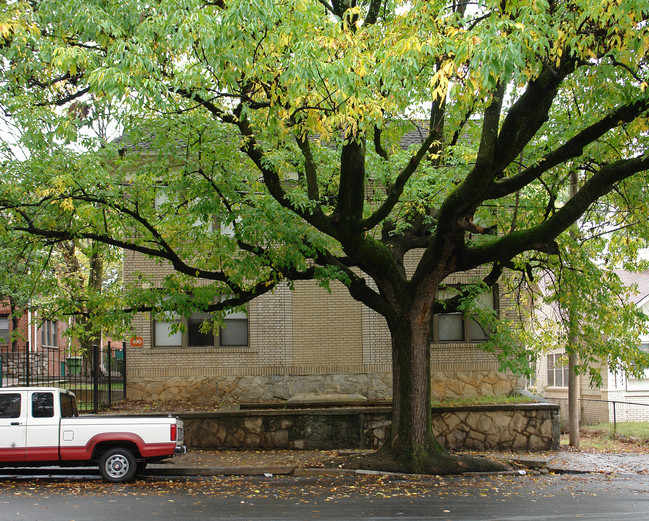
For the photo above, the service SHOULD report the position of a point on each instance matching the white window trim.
(557, 369)
(466, 321)
(50, 333)
(183, 335)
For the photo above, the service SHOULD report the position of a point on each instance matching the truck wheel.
(117, 465)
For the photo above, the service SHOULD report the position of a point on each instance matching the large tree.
(263, 146)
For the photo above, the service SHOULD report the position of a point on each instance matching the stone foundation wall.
(519, 428)
(446, 385)
(528, 427)
(281, 387)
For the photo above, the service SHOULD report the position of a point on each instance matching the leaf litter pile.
(307, 490)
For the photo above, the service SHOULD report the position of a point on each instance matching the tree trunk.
(412, 440)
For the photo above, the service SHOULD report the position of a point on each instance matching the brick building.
(29, 333)
(304, 342)
(299, 343)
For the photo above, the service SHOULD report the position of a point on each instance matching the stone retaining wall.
(375, 385)
(524, 427)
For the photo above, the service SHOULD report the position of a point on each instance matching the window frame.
(553, 370)
(217, 334)
(50, 333)
(235, 317)
(467, 322)
(5, 339)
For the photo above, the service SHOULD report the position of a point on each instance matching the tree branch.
(572, 148)
(373, 12)
(541, 237)
(530, 111)
(310, 167)
(327, 6)
(351, 191)
(358, 288)
(488, 137)
(315, 217)
(396, 190)
(66, 99)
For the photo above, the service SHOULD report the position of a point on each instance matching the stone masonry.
(517, 428)
(281, 387)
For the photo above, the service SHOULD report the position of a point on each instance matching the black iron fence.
(97, 377)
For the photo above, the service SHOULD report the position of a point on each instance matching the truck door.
(43, 431)
(13, 426)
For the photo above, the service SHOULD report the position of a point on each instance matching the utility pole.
(574, 390)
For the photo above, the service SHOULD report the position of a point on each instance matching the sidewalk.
(607, 463)
(317, 463)
(250, 463)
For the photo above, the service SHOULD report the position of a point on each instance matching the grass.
(115, 386)
(627, 437)
(638, 430)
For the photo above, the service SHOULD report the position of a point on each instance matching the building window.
(4, 329)
(196, 336)
(164, 334)
(234, 332)
(49, 333)
(455, 327)
(235, 329)
(557, 370)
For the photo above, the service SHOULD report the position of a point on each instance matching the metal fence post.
(95, 377)
(27, 368)
(110, 381)
(124, 370)
(614, 420)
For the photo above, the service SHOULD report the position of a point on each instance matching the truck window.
(68, 406)
(9, 406)
(42, 405)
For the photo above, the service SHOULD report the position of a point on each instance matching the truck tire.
(117, 465)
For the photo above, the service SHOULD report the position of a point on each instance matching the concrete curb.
(532, 464)
(307, 472)
(218, 471)
(253, 471)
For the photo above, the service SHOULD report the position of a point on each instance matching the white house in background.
(605, 403)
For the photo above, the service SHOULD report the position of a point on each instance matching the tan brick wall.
(327, 327)
(307, 340)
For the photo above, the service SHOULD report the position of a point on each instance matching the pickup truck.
(41, 426)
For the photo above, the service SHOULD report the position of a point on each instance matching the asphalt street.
(505, 498)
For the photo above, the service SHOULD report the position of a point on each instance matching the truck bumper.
(180, 449)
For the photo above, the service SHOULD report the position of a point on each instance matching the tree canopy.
(264, 144)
